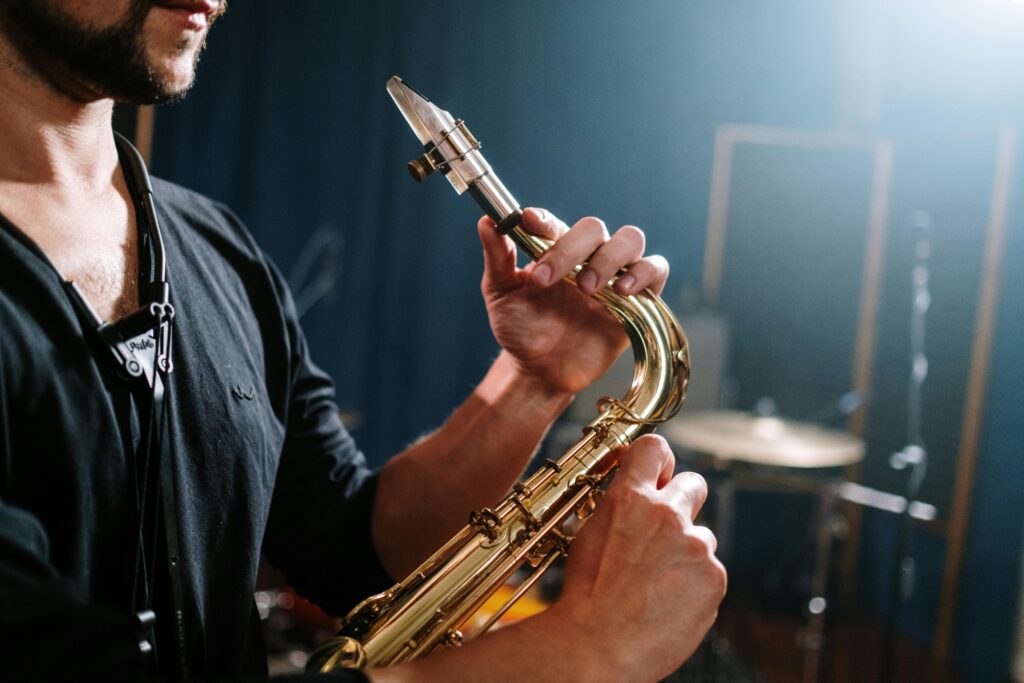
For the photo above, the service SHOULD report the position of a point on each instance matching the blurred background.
(797, 162)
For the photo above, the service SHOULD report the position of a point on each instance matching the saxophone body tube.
(430, 607)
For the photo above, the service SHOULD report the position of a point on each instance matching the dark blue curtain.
(583, 107)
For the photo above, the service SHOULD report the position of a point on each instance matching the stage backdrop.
(584, 108)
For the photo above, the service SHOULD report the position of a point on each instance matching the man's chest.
(104, 271)
(69, 436)
(91, 243)
(60, 385)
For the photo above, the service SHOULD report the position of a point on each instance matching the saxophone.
(529, 527)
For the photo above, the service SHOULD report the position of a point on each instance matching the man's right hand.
(642, 584)
(642, 587)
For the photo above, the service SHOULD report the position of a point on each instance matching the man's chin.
(169, 79)
(174, 84)
(154, 96)
(157, 91)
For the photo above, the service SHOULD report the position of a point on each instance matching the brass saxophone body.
(427, 609)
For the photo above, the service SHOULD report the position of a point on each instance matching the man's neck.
(61, 184)
(46, 137)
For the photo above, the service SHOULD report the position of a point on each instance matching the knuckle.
(620, 493)
(718, 578)
(651, 268)
(695, 545)
(633, 235)
(695, 482)
(706, 568)
(638, 499)
(654, 443)
(650, 446)
(669, 522)
(593, 225)
(659, 264)
(642, 270)
(557, 255)
(702, 540)
(546, 222)
(601, 262)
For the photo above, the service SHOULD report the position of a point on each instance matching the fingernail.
(541, 213)
(627, 282)
(588, 280)
(542, 274)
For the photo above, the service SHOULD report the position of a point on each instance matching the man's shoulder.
(197, 225)
(207, 245)
(192, 215)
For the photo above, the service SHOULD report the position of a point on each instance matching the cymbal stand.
(914, 457)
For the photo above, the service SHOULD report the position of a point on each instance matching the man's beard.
(82, 61)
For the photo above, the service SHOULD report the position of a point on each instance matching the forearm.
(427, 491)
(542, 649)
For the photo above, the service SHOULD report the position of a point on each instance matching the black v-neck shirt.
(259, 457)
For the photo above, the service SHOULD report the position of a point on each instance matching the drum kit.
(730, 435)
(762, 451)
(747, 451)
(770, 453)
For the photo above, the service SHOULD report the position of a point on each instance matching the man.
(252, 455)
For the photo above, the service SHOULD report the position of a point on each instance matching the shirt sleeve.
(46, 634)
(318, 532)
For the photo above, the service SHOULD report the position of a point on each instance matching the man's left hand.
(562, 336)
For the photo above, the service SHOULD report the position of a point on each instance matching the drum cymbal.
(735, 435)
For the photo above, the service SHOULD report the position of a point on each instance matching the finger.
(648, 461)
(706, 536)
(572, 248)
(543, 223)
(625, 247)
(651, 272)
(499, 258)
(668, 468)
(689, 491)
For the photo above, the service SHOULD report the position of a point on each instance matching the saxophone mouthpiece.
(423, 117)
(448, 144)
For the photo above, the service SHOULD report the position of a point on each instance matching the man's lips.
(206, 7)
(194, 14)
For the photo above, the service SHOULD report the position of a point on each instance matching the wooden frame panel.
(974, 403)
(727, 137)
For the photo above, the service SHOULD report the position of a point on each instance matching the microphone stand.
(914, 457)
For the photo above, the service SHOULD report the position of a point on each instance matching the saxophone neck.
(659, 344)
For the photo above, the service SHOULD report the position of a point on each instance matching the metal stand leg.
(725, 501)
(813, 637)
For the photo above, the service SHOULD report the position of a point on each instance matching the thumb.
(499, 259)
